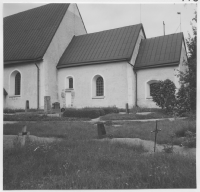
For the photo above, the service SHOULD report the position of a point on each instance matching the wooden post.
(127, 109)
(156, 132)
(26, 106)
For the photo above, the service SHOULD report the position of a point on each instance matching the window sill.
(98, 97)
(14, 96)
(69, 89)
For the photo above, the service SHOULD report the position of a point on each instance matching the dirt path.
(149, 146)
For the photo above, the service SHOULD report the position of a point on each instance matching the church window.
(152, 85)
(99, 86)
(149, 88)
(17, 83)
(70, 83)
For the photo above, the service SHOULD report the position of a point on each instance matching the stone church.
(48, 52)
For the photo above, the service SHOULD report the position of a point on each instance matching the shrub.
(163, 94)
(190, 139)
(81, 113)
(108, 110)
(7, 110)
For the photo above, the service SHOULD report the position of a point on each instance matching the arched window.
(70, 83)
(17, 83)
(99, 86)
(150, 87)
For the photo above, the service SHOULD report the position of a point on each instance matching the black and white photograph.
(99, 95)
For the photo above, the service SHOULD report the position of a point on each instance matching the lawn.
(80, 162)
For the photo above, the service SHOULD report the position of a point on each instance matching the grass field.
(80, 162)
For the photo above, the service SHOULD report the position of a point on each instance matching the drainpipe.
(135, 87)
(135, 84)
(38, 80)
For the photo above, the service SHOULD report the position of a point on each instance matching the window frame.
(12, 78)
(148, 88)
(94, 81)
(17, 91)
(99, 87)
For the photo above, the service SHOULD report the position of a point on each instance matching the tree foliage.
(163, 94)
(190, 76)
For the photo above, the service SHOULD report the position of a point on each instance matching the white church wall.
(146, 75)
(28, 89)
(162, 73)
(115, 85)
(71, 25)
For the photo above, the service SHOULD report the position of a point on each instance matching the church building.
(48, 52)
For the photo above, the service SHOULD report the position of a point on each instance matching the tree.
(190, 77)
(163, 94)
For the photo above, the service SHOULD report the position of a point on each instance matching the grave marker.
(47, 104)
(156, 132)
(101, 129)
(26, 106)
(22, 136)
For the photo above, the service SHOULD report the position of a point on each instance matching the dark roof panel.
(28, 34)
(159, 51)
(102, 46)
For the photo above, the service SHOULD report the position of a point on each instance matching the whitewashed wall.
(162, 73)
(71, 25)
(28, 86)
(115, 84)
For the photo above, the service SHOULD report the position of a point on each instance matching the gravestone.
(127, 109)
(47, 104)
(22, 136)
(27, 105)
(101, 129)
(56, 107)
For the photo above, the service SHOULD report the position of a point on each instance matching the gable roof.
(101, 47)
(28, 34)
(159, 51)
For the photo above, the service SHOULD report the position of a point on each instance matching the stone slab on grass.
(144, 113)
(9, 140)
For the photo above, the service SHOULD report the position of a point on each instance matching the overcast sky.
(99, 17)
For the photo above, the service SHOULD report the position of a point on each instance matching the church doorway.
(68, 99)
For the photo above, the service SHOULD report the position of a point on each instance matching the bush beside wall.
(89, 112)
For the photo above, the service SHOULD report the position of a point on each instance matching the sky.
(99, 17)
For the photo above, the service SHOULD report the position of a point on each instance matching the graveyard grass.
(81, 162)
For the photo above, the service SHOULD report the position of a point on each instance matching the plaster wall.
(28, 86)
(162, 73)
(115, 85)
(71, 25)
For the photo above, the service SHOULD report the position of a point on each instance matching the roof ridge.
(108, 30)
(163, 35)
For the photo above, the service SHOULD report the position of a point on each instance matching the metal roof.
(159, 51)
(28, 34)
(105, 46)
